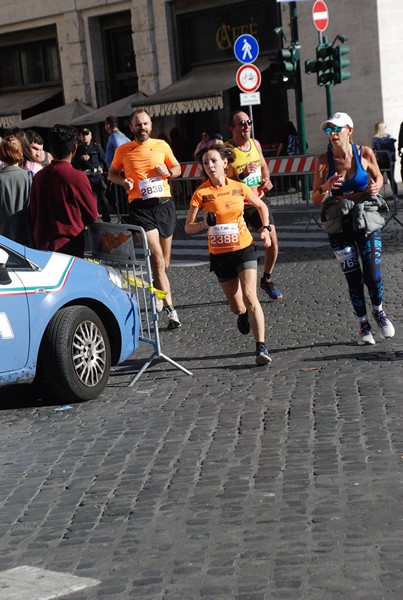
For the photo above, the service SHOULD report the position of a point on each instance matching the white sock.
(363, 319)
(377, 308)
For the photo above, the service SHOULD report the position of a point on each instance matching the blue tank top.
(358, 183)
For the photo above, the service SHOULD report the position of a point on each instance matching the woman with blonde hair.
(347, 184)
(383, 144)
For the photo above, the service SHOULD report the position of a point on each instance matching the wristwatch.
(268, 227)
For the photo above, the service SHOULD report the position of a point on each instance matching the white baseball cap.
(341, 119)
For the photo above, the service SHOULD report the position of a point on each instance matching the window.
(29, 65)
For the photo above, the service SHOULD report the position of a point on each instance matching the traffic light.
(286, 62)
(323, 65)
(330, 62)
(340, 63)
(324, 55)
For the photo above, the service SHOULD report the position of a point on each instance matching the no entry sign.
(320, 15)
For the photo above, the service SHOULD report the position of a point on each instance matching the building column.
(73, 58)
(144, 46)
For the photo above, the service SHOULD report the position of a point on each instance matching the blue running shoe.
(268, 286)
(262, 355)
(385, 327)
(365, 334)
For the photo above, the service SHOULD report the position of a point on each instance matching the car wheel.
(75, 356)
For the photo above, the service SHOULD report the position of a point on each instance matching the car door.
(14, 316)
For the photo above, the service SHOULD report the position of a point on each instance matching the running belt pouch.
(211, 219)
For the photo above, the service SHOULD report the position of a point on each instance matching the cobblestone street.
(241, 482)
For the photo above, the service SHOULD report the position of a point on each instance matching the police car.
(63, 321)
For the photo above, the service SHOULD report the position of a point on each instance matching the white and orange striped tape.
(277, 166)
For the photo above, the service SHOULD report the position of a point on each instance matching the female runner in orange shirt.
(233, 255)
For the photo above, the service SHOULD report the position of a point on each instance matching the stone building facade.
(98, 51)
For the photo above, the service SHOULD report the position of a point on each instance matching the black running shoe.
(270, 289)
(243, 323)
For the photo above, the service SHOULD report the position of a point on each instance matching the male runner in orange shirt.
(147, 164)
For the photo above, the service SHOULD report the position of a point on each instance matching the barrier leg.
(112, 244)
(150, 359)
(393, 214)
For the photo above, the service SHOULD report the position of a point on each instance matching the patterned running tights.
(348, 247)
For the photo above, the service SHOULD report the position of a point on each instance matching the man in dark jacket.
(62, 202)
(90, 158)
(400, 149)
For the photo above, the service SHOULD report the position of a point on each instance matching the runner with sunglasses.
(251, 168)
(347, 184)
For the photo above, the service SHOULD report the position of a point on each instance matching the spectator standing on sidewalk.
(181, 146)
(251, 168)
(15, 186)
(289, 147)
(62, 202)
(347, 183)
(400, 150)
(233, 255)
(205, 142)
(115, 138)
(90, 158)
(29, 163)
(147, 164)
(36, 145)
(384, 146)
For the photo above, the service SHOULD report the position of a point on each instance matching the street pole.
(299, 104)
(329, 103)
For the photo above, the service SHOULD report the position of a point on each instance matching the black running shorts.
(158, 213)
(228, 265)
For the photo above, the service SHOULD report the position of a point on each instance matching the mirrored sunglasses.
(243, 122)
(334, 129)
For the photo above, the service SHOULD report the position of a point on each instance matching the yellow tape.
(136, 281)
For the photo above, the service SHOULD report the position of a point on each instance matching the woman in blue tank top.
(347, 184)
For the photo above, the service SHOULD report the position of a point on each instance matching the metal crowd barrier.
(113, 245)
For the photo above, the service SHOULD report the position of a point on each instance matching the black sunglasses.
(243, 123)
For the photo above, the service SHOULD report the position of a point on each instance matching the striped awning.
(199, 90)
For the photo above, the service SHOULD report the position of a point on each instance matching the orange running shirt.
(139, 161)
(227, 203)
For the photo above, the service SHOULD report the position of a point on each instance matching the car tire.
(75, 355)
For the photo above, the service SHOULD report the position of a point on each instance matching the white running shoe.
(385, 327)
(262, 355)
(365, 335)
(173, 320)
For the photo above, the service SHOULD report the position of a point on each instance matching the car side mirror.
(5, 278)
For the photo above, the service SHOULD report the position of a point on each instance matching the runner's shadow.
(201, 304)
(387, 355)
